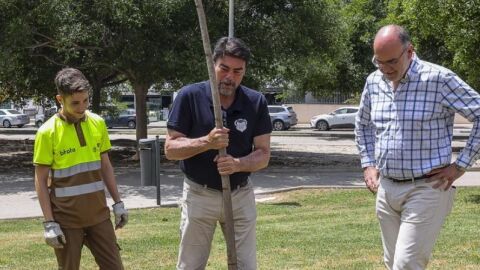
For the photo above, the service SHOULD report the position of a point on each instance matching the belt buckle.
(240, 185)
(244, 183)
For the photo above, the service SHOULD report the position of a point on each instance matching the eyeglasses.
(390, 62)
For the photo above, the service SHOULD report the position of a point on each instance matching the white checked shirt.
(407, 133)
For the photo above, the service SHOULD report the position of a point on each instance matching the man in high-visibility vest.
(72, 169)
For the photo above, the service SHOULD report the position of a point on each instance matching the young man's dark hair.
(71, 80)
(231, 46)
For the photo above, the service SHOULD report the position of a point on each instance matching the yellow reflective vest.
(73, 152)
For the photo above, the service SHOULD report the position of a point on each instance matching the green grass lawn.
(308, 229)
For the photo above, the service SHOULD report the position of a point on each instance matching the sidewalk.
(19, 200)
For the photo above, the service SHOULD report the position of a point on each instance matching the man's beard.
(227, 88)
(72, 118)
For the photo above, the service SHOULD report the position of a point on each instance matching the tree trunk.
(141, 90)
(96, 95)
(96, 83)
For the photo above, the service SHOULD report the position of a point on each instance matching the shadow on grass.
(294, 204)
(296, 159)
(475, 198)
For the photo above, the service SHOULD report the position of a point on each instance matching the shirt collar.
(414, 65)
(70, 120)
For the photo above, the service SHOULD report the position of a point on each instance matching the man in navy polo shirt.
(193, 139)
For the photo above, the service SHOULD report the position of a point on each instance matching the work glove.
(121, 215)
(53, 234)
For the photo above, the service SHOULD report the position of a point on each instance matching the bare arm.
(259, 158)
(256, 160)
(41, 186)
(108, 177)
(179, 147)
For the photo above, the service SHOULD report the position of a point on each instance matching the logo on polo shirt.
(96, 148)
(67, 151)
(241, 124)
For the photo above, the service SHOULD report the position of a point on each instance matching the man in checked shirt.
(404, 132)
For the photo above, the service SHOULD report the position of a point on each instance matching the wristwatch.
(460, 168)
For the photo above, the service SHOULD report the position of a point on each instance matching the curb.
(459, 135)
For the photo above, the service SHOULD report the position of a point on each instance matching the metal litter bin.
(165, 114)
(148, 162)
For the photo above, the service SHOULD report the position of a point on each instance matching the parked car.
(125, 118)
(10, 117)
(340, 118)
(282, 117)
(42, 117)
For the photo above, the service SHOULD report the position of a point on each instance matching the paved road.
(461, 131)
(18, 198)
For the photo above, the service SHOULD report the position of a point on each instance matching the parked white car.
(282, 117)
(10, 117)
(340, 118)
(43, 117)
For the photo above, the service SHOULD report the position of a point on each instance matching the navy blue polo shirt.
(192, 114)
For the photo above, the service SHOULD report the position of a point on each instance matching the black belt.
(243, 183)
(396, 180)
(240, 185)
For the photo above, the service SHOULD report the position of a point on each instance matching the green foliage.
(159, 41)
(354, 99)
(322, 46)
(444, 32)
(294, 42)
(362, 19)
(463, 38)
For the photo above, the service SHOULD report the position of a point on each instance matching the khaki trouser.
(411, 215)
(101, 241)
(202, 208)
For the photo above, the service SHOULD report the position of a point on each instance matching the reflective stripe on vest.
(79, 190)
(82, 167)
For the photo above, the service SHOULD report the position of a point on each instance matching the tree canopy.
(321, 46)
(444, 32)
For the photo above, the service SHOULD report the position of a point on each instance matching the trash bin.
(165, 114)
(148, 162)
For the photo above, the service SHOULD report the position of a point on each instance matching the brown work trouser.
(101, 241)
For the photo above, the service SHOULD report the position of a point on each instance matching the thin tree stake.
(227, 198)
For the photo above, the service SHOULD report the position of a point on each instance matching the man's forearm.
(365, 140)
(41, 178)
(182, 148)
(470, 152)
(111, 185)
(108, 177)
(255, 161)
(44, 200)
